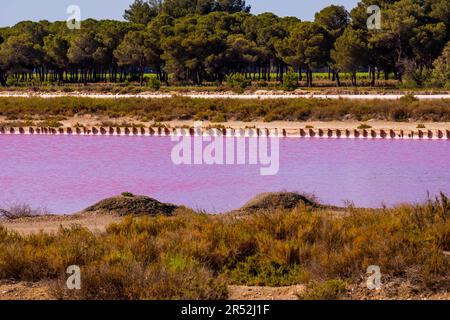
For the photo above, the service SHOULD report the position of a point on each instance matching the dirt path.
(227, 95)
(24, 290)
(10, 290)
(51, 224)
(265, 293)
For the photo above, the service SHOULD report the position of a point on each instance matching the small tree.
(136, 52)
(441, 72)
(290, 82)
(350, 53)
(142, 12)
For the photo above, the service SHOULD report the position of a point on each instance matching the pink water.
(68, 173)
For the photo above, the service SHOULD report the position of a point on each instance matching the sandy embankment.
(92, 121)
(52, 223)
(96, 121)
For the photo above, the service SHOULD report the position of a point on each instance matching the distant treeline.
(215, 40)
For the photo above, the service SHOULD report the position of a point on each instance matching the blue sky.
(13, 11)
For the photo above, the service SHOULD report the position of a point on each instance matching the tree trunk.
(354, 79)
(2, 79)
(309, 80)
(372, 75)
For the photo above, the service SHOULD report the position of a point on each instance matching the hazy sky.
(13, 11)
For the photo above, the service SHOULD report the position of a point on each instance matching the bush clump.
(279, 200)
(131, 204)
(329, 290)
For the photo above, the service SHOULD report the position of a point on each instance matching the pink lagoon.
(68, 173)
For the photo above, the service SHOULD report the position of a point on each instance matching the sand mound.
(278, 200)
(136, 205)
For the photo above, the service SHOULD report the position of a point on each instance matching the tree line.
(212, 40)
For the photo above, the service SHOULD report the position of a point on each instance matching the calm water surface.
(68, 173)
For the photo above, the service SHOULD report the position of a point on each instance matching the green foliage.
(238, 81)
(127, 194)
(290, 81)
(308, 45)
(141, 11)
(408, 98)
(154, 83)
(334, 19)
(350, 53)
(364, 126)
(197, 41)
(441, 71)
(329, 290)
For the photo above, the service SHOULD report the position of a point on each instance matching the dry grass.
(181, 108)
(12, 211)
(194, 256)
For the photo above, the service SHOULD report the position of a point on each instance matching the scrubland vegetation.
(193, 255)
(30, 110)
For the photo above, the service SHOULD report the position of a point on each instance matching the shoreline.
(88, 126)
(260, 94)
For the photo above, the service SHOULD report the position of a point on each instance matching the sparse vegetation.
(128, 203)
(182, 108)
(329, 290)
(364, 126)
(194, 256)
(21, 210)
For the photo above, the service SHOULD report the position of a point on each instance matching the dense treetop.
(210, 40)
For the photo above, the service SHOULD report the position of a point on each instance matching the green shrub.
(329, 290)
(50, 123)
(127, 194)
(237, 80)
(154, 83)
(408, 98)
(364, 126)
(290, 81)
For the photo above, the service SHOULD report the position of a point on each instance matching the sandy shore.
(103, 126)
(52, 223)
(98, 121)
